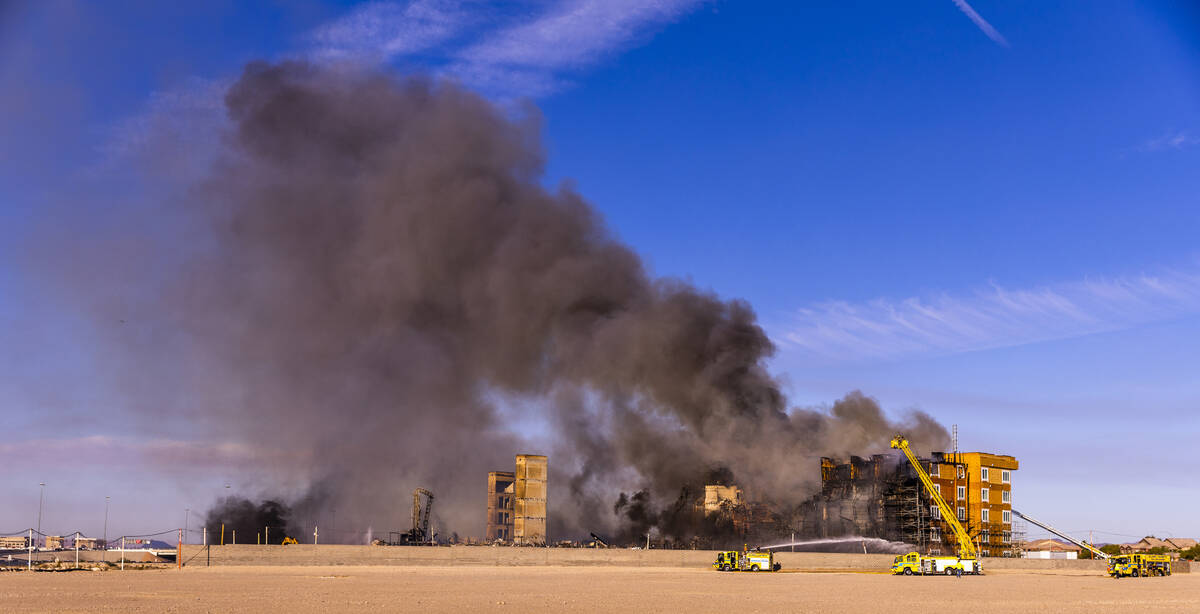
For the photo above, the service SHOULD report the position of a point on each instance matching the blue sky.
(987, 211)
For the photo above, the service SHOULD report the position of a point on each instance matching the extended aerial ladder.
(966, 548)
(913, 562)
(1082, 544)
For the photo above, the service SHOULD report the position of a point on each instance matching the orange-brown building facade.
(978, 486)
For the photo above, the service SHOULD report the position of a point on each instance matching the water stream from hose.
(870, 545)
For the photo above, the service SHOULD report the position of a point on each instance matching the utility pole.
(106, 528)
(41, 496)
(223, 524)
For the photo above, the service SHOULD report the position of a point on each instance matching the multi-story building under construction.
(500, 506)
(881, 496)
(978, 486)
(516, 509)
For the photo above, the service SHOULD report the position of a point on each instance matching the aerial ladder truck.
(967, 560)
(1122, 565)
(1082, 544)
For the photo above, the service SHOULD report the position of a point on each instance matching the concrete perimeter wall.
(307, 554)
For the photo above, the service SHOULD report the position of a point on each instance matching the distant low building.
(1181, 543)
(1148, 543)
(14, 543)
(1170, 544)
(54, 542)
(1049, 549)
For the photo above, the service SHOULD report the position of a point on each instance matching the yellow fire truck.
(913, 563)
(753, 560)
(1139, 565)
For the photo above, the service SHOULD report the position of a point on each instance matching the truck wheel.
(725, 567)
(777, 567)
(1135, 573)
(908, 571)
(754, 568)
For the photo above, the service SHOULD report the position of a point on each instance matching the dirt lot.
(298, 590)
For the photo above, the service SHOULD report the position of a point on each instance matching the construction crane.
(1082, 544)
(420, 521)
(967, 560)
(419, 534)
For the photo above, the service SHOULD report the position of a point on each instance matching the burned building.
(529, 502)
(883, 497)
(500, 506)
(516, 504)
(733, 518)
(878, 496)
(718, 497)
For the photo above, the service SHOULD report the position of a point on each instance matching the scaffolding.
(872, 497)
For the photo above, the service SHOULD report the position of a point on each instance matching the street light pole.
(106, 498)
(41, 497)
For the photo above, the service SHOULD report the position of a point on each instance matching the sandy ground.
(298, 590)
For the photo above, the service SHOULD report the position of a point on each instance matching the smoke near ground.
(376, 281)
(233, 516)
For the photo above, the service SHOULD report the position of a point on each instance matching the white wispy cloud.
(504, 50)
(995, 317)
(531, 49)
(575, 33)
(981, 22)
(384, 30)
(1176, 139)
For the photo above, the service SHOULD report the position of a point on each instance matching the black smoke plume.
(236, 516)
(376, 292)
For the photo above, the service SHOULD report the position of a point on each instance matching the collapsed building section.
(720, 498)
(516, 506)
(730, 518)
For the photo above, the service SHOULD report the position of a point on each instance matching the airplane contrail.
(981, 22)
